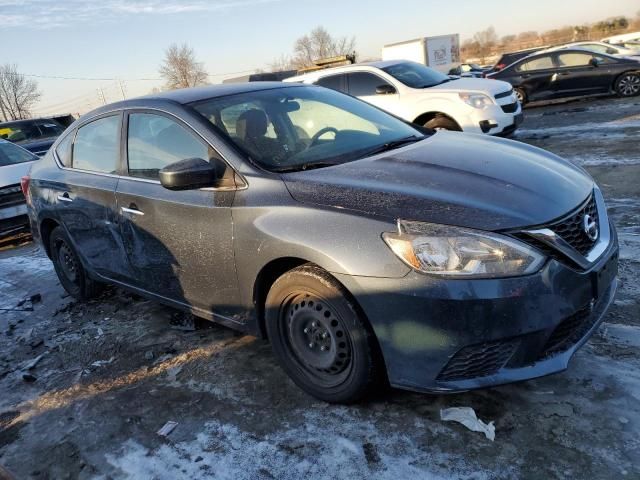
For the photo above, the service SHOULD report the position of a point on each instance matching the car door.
(577, 75)
(367, 86)
(179, 243)
(535, 76)
(84, 192)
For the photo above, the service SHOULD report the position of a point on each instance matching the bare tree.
(180, 68)
(486, 40)
(320, 44)
(281, 64)
(18, 94)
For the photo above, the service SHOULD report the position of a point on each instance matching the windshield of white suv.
(295, 128)
(416, 75)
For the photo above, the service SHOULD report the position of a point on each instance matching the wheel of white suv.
(443, 123)
(318, 336)
(628, 85)
(71, 273)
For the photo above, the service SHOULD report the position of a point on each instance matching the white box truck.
(441, 53)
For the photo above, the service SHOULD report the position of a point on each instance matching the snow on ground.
(610, 130)
(330, 440)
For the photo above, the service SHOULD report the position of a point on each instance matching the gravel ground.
(85, 387)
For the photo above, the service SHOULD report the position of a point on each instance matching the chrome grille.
(571, 228)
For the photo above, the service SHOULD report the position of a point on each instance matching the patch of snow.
(591, 129)
(328, 444)
(626, 335)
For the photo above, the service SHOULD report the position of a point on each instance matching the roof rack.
(330, 62)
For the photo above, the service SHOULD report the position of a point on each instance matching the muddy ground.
(85, 387)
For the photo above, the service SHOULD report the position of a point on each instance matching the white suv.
(425, 96)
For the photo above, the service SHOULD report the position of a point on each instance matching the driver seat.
(251, 129)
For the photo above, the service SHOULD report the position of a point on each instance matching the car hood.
(11, 174)
(467, 84)
(451, 178)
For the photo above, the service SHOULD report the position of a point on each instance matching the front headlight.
(461, 252)
(476, 100)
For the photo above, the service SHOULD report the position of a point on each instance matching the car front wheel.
(628, 85)
(443, 123)
(319, 338)
(520, 95)
(71, 273)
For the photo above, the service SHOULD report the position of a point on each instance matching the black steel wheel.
(68, 267)
(628, 85)
(319, 338)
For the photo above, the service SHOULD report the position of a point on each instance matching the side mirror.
(594, 62)
(189, 174)
(385, 89)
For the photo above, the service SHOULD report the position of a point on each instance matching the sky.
(125, 40)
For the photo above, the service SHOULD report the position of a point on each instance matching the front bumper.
(493, 120)
(440, 335)
(13, 211)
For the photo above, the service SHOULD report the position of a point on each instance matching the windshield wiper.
(304, 166)
(385, 147)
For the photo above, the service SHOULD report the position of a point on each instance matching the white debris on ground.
(467, 417)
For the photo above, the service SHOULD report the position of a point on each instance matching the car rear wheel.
(318, 336)
(443, 123)
(520, 95)
(628, 85)
(68, 267)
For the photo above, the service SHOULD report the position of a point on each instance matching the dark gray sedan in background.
(367, 250)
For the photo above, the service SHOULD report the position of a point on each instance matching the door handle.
(133, 210)
(65, 197)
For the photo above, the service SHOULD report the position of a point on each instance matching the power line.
(111, 79)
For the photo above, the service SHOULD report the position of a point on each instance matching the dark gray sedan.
(367, 250)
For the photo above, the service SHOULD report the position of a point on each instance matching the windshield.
(10, 154)
(19, 132)
(416, 75)
(293, 128)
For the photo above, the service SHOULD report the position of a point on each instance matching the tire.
(521, 95)
(319, 338)
(628, 85)
(442, 123)
(71, 273)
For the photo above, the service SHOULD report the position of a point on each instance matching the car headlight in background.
(461, 252)
(476, 100)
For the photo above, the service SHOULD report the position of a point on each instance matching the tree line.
(487, 43)
(181, 69)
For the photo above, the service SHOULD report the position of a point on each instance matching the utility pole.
(121, 84)
(101, 96)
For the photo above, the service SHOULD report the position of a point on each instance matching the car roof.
(380, 64)
(186, 96)
(190, 95)
(18, 122)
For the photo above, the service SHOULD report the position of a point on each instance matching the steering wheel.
(320, 133)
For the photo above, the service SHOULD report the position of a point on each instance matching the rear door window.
(540, 63)
(155, 141)
(96, 147)
(574, 59)
(334, 82)
(363, 84)
(63, 150)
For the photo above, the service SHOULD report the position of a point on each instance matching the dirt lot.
(85, 387)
